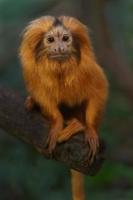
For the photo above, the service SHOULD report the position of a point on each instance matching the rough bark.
(32, 128)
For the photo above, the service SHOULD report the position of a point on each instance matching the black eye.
(50, 39)
(65, 38)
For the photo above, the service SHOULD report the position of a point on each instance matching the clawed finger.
(94, 144)
(51, 142)
(51, 146)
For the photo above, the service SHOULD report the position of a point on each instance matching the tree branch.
(32, 128)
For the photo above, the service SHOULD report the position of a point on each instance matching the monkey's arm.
(94, 113)
(50, 110)
(56, 123)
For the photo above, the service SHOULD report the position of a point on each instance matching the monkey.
(61, 74)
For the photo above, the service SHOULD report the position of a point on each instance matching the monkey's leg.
(29, 103)
(94, 112)
(71, 129)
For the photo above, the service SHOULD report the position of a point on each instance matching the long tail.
(77, 179)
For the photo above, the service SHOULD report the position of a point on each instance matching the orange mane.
(35, 31)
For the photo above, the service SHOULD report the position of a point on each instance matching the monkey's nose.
(59, 49)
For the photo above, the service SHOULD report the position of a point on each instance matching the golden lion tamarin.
(60, 71)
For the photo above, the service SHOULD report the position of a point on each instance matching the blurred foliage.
(24, 174)
(120, 13)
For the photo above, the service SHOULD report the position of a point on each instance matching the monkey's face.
(58, 43)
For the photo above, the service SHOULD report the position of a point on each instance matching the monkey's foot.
(92, 138)
(29, 103)
(71, 129)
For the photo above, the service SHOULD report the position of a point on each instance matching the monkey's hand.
(53, 135)
(91, 137)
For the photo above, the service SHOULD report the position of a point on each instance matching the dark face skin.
(58, 43)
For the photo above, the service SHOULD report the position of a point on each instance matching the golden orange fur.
(78, 82)
(71, 82)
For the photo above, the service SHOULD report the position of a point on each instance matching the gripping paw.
(93, 140)
(53, 136)
(51, 141)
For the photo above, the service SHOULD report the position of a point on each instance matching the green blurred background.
(26, 175)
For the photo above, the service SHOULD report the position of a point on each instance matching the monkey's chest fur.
(70, 90)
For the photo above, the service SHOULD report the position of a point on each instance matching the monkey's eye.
(50, 39)
(65, 38)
